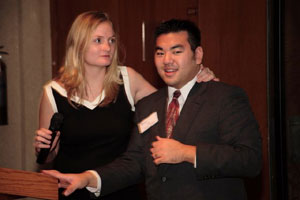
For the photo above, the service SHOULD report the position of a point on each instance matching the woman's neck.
(94, 78)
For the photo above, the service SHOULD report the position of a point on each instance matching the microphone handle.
(43, 154)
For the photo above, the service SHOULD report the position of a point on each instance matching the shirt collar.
(184, 90)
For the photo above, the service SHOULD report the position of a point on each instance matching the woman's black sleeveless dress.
(92, 138)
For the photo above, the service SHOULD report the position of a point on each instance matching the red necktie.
(172, 114)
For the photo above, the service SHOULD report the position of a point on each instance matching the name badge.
(146, 123)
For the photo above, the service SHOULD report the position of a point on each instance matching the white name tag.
(146, 123)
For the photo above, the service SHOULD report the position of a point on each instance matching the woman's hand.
(43, 139)
(205, 75)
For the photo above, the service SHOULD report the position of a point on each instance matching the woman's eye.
(112, 40)
(98, 40)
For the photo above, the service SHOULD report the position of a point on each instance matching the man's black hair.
(178, 25)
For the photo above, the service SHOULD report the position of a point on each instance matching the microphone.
(55, 124)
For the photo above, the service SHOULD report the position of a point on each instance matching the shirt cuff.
(97, 190)
(195, 162)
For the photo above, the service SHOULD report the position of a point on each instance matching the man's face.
(175, 61)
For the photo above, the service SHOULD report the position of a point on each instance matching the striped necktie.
(172, 114)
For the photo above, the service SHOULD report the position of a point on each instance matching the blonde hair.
(71, 75)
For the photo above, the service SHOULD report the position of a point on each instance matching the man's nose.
(168, 58)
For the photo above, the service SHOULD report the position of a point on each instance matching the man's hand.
(171, 151)
(73, 181)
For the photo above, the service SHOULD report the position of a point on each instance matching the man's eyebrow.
(173, 47)
(177, 46)
(158, 48)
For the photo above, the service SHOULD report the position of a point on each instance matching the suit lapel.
(189, 112)
(160, 108)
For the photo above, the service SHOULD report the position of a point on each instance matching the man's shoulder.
(154, 97)
(219, 90)
(220, 87)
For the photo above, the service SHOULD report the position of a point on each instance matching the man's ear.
(199, 55)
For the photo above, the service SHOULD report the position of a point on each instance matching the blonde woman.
(96, 98)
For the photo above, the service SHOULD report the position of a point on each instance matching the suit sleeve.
(238, 151)
(126, 170)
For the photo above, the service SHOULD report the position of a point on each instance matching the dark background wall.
(291, 95)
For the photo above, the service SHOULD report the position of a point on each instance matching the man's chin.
(170, 83)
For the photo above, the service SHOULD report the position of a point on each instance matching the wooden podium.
(20, 184)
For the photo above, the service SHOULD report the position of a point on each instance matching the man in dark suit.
(201, 149)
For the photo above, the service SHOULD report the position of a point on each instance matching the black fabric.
(93, 138)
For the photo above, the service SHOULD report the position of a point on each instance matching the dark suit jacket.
(218, 120)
